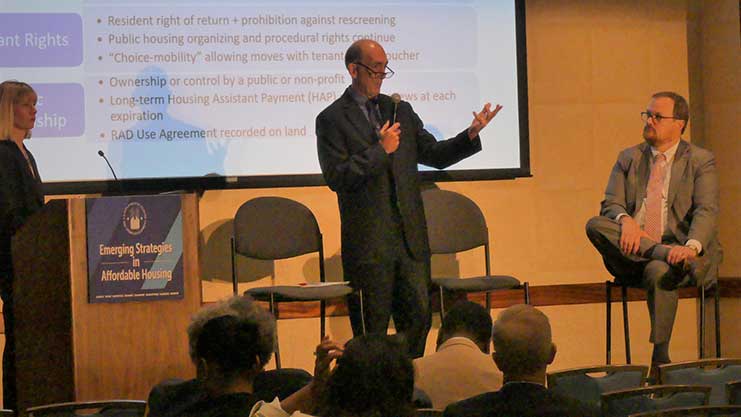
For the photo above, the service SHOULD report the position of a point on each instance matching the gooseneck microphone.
(102, 155)
(396, 98)
(120, 186)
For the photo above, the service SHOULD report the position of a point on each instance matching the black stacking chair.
(588, 384)
(456, 224)
(716, 373)
(274, 228)
(624, 403)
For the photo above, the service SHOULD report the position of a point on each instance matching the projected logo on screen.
(134, 218)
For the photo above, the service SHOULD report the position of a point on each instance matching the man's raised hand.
(481, 119)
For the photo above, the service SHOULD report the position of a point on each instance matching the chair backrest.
(111, 408)
(429, 412)
(712, 372)
(733, 391)
(279, 383)
(270, 228)
(454, 222)
(588, 384)
(623, 403)
(702, 411)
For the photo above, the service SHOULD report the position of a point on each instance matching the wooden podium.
(70, 350)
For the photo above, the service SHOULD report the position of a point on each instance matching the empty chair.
(588, 384)
(733, 391)
(715, 373)
(702, 411)
(112, 408)
(456, 224)
(624, 403)
(273, 228)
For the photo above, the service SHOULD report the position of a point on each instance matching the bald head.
(522, 341)
(366, 62)
(361, 48)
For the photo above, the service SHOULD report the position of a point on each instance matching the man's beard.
(649, 134)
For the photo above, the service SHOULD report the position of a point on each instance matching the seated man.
(522, 351)
(658, 222)
(461, 367)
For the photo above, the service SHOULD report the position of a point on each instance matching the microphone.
(102, 155)
(396, 98)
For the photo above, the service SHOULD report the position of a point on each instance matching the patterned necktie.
(653, 225)
(373, 117)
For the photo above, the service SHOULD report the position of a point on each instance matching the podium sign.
(134, 248)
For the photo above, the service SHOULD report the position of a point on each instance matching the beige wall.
(592, 66)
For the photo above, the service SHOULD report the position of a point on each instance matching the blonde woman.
(20, 196)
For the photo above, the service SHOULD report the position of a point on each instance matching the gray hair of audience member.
(522, 341)
(470, 320)
(244, 309)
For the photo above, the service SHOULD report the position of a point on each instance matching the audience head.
(470, 320)
(230, 340)
(522, 343)
(17, 109)
(374, 377)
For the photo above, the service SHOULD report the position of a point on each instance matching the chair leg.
(702, 321)
(322, 319)
(362, 311)
(626, 328)
(442, 305)
(717, 321)
(277, 339)
(488, 301)
(608, 325)
(526, 290)
(235, 286)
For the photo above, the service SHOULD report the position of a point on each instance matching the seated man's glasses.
(376, 74)
(655, 117)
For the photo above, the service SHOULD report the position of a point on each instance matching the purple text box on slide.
(60, 110)
(40, 40)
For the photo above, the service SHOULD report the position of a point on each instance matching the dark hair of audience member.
(467, 319)
(227, 345)
(373, 378)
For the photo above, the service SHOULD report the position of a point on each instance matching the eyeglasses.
(657, 118)
(376, 74)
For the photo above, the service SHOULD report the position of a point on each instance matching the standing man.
(658, 223)
(369, 149)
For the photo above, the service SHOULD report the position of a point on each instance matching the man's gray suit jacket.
(692, 202)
